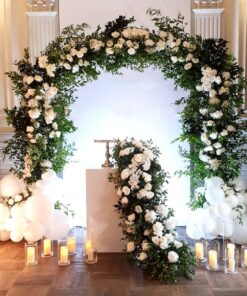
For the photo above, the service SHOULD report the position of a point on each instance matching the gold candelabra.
(107, 163)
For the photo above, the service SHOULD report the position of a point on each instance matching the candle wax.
(47, 247)
(245, 257)
(231, 265)
(71, 243)
(63, 255)
(30, 255)
(199, 251)
(212, 259)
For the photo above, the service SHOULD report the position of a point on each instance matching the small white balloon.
(16, 236)
(4, 212)
(4, 235)
(8, 224)
(214, 182)
(223, 209)
(19, 224)
(34, 232)
(208, 226)
(240, 198)
(232, 200)
(194, 231)
(214, 195)
(11, 185)
(240, 184)
(17, 210)
(57, 227)
(2, 227)
(49, 175)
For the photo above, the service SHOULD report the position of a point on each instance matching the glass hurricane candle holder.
(62, 253)
(46, 247)
(213, 255)
(232, 259)
(201, 250)
(90, 253)
(71, 241)
(244, 256)
(31, 253)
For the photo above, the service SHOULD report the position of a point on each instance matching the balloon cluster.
(34, 217)
(221, 212)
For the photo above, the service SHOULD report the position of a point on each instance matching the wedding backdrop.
(210, 124)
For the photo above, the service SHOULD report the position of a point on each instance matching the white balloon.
(11, 185)
(19, 224)
(57, 227)
(245, 198)
(4, 235)
(240, 198)
(223, 209)
(212, 212)
(226, 227)
(232, 200)
(17, 210)
(240, 184)
(16, 236)
(4, 212)
(214, 182)
(49, 175)
(8, 224)
(242, 209)
(38, 209)
(2, 227)
(194, 231)
(208, 226)
(34, 232)
(214, 195)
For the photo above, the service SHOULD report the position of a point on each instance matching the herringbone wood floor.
(111, 276)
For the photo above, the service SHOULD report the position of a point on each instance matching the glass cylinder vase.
(244, 256)
(213, 255)
(201, 250)
(90, 252)
(62, 253)
(232, 261)
(46, 247)
(71, 241)
(31, 253)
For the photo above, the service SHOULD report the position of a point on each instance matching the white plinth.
(101, 197)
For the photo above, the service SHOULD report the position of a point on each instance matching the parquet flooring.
(113, 275)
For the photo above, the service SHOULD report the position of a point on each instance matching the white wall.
(135, 104)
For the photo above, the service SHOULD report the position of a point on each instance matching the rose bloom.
(188, 66)
(138, 209)
(130, 246)
(142, 256)
(145, 245)
(172, 257)
(124, 200)
(131, 51)
(126, 190)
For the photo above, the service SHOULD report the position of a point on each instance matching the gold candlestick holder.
(107, 163)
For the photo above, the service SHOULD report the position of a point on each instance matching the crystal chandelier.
(40, 5)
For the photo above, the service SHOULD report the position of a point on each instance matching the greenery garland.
(210, 118)
(148, 224)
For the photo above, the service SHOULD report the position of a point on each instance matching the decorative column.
(42, 29)
(208, 22)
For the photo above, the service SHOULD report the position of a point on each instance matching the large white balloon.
(38, 209)
(223, 209)
(194, 231)
(214, 182)
(4, 235)
(16, 236)
(214, 195)
(49, 175)
(232, 200)
(11, 185)
(17, 210)
(34, 232)
(19, 224)
(57, 227)
(4, 212)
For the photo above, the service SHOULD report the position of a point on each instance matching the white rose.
(147, 232)
(73, 52)
(109, 50)
(172, 257)
(208, 148)
(145, 245)
(43, 60)
(170, 224)
(210, 123)
(163, 242)
(199, 88)
(220, 151)
(131, 51)
(150, 195)
(162, 210)
(124, 200)
(54, 126)
(174, 59)
(150, 216)
(213, 135)
(148, 186)
(125, 174)
(143, 193)
(34, 113)
(51, 93)
(212, 93)
(142, 256)
(217, 145)
(146, 165)
(58, 134)
(38, 78)
(195, 60)
(49, 116)
(188, 66)
(147, 178)
(158, 229)
(130, 247)
(178, 244)
(138, 157)
(138, 209)
(224, 133)
(155, 240)
(10, 201)
(67, 66)
(115, 34)
(204, 158)
(226, 75)
(203, 111)
(33, 141)
(162, 34)
(18, 198)
(149, 42)
(30, 136)
(216, 114)
(75, 69)
(29, 129)
(29, 79)
(52, 134)
(161, 45)
(50, 69)
(126, 190)
(46, 164)
(231, 128)
(131, 217)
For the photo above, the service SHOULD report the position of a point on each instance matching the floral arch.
(210, 118)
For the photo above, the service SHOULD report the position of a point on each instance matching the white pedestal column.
(208, 22)
(42, 29)
(101, 197)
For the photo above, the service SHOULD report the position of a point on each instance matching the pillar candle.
(199, 251)
(231, 265)
(230, 251)
(88, 246)
(90, 255)
(47, 247)
(71, 243)
(30, 255)
(212, 259)
(245, 257)
(63, 255)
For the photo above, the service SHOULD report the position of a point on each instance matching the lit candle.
(63, 259)
(230, 251)
(88, 246)
(199, 251)
(212, 259)
(90, 255)
(231, 266)
(71, 243)
(245, 257)
(47, 247)
(30, 255)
